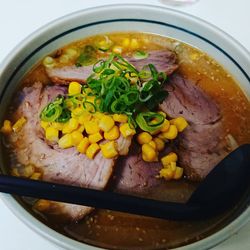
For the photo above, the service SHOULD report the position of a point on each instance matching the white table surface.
(19, 18)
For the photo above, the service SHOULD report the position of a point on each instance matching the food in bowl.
(135, 113)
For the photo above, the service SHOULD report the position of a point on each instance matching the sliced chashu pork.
(66, 166)
(163, 60)
(201, 145)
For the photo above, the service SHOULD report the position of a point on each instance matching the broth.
(114, 230)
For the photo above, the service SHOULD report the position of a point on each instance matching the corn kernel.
(113, 134)
(92, 150)
(148, 153)
(70, 126)
(83, 145)
(109, 150)
(86, 116)
(77, 112)
(134, 44)
(42, 205)
(51, 134)
(81, 128)
(15, 172)
(160, 144)
(95, 137)
(117, 49)
(171, 157)
(172, 166)
(106, 123)
(36, 176)
(44, 124)
(126, 42)
(171, 133)
(6, 128)
(152, 144)
(165, 126)
(27, 171)
(65, 141)
(19, 124)
(166, 173)
(74, 88)
(178, 173)
(180, 123)
(120, 118)
(57, 125)
(91, 127)
(144, 137)
(126, 130)
(76, 137)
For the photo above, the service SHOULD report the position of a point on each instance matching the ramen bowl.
(123, 18)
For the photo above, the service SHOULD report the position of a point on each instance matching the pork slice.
(65, 166)
(201, 145)
(164, 60)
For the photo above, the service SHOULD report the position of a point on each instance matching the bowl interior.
(121, 18)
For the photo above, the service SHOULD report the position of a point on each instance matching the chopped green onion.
(149, 121)
(140, 55)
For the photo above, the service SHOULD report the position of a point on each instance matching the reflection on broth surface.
(226, 118)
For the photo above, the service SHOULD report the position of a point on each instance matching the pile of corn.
(88, 132)
(28, 171)
(152, 144)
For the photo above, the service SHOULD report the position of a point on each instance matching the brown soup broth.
(115, 230)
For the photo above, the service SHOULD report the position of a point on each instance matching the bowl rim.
(64, 241)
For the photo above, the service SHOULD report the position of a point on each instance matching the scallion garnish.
(140, 55)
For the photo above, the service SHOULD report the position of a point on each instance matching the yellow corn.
(77, 112)
(19, 124)
(92, 150)
(172, 166)
(52, 134)
(83, 145)
(153, 145)
(144, 137)
(57, 125)
(134, 44)
(126, 130)
(6, 128)
(74, 88)
(171, 157)
(109, 150)
(180, 123)
(76, 137)
(91, 127)
(36, 176)
(27, 171)
(113, 134)
(106, 123)
(178, 173)
(117, 49)
(81, 128)
(42, 205)
(84, 117)
(126, 42)
(171, 133)
(149, 154)
(70, 126)
(166, 173)
(95, 137)
(65, 141)
(165, 126)
(160, 144)
(44, 124)
(120, 118)
(15, 172)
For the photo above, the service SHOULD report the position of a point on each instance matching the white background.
(18, 18)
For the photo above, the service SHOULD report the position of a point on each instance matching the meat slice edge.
(164, 60)
(66, 166)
